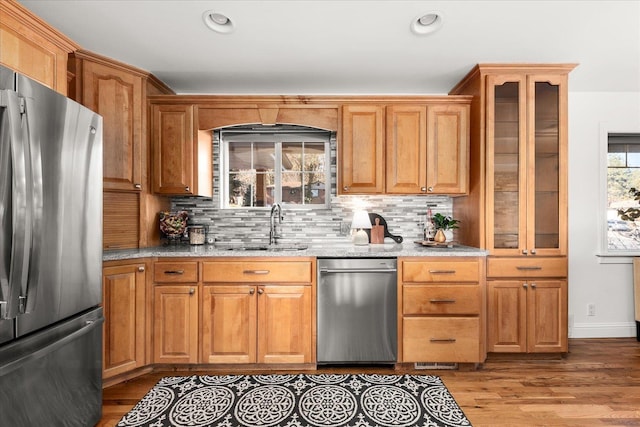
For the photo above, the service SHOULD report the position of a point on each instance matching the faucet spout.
(276, 213)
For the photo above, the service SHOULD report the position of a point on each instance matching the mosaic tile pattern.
(404, 214)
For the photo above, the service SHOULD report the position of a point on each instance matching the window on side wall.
(264, 166)
(623, 194)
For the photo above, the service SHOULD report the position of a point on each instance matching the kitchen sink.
(270, 248)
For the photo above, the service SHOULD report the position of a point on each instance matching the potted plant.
(445, 226)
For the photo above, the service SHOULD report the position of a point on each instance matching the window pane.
(623, 174)
(292, 188)
(241, 188)
(314, 157)
(240, 156)
(314, 188)
(264, 156)
(292, 156)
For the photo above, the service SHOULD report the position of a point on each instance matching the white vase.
(448, 234)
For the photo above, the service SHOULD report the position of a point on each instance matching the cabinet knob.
(187, 189)
(137, 186)
(260, 291)
(533, 251)
(525, 252)
(141, 269)
(423, 189)
(430, 189)
(252, 291)
(524, 285)
(192, 291)
(533, 286)
(345, 188)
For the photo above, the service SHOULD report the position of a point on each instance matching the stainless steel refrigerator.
(50, 257)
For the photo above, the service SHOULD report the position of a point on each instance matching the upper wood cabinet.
(182, 154)
(118, 92)
(518, 203)
(31, 47)
(117, 96)
(404, 149)
(361, 150)
(427, 149)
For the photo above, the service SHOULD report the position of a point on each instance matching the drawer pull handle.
(174, 272)
(443, 340)
(527, 267)
(442, 271)
(442, 301)
(256, 272)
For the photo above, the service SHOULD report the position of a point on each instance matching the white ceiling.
(353, 47)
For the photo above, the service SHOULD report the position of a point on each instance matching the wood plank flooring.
(596, 384)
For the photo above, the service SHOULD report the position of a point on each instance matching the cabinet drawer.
(439, 299)
(527, 267)
(441, 339)
(258, 271)
(440, 271)
(175, 272)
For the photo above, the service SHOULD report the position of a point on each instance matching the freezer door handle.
(15, 264)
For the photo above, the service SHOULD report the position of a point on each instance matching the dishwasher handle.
(357, 270)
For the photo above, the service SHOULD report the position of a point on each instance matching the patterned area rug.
(297, 400)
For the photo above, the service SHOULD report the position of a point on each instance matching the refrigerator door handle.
(20, 209)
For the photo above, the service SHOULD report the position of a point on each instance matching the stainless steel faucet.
(276, 209)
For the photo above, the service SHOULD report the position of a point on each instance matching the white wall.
(591, 278)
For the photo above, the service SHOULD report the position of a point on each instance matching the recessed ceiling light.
(218, 22)
(426, 24)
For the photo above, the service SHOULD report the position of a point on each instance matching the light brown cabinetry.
(124, 304)
(31, 47)
(175, 312)
(527, 305)
(182, 159)
(404, 149)
(442, 310)
(258, 311)
(118, 93)
(361, 150)
(518, 206)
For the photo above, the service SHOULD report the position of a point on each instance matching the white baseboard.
(603, 330)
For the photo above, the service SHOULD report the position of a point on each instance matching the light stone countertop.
(319, 250)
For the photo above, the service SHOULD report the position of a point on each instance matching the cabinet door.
(229, 325)
(175, 328)
(506, 316)
(547, 316)
(506, 165)
(172, 136)
(117, 96)
(447, 149)
(123, 302)
(406, 142)
(547, 160)
(284, 324)
(361, 150)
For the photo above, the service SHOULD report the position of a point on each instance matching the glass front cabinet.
(526, 164)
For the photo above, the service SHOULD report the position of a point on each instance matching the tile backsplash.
(404, 214)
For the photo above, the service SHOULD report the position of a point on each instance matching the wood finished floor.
(596, 384)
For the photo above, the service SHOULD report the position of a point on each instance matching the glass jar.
(196, 235)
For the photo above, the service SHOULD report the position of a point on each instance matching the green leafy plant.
(445, 222)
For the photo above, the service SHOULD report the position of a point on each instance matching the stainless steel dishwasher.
(357, 311)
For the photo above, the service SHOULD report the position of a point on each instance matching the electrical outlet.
(591, 309)
(345, 228)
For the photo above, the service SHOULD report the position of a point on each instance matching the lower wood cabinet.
(527, 304)
(124, 306)
(442, 310)
(256, 324)
(258, 311)
(527, 316)
(175, 327)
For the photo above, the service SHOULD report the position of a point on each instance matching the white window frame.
(609, 256)
(278, 140)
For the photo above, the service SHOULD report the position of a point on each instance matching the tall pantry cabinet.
(517, 206)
